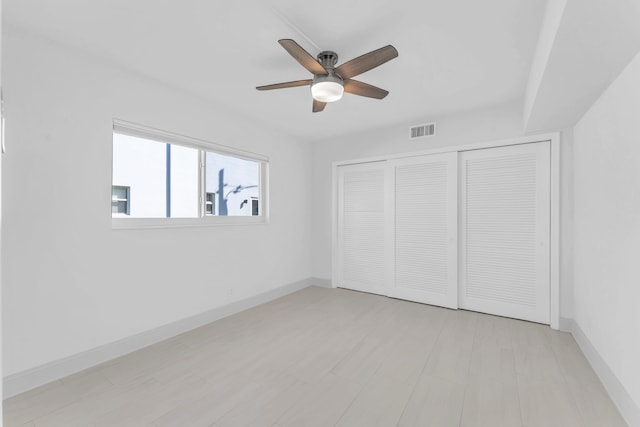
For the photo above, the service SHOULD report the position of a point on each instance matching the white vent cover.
(422, 131)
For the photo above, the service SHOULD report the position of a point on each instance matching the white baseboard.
(323, 283)
(565, 324)
(618, 393)
(27, 380)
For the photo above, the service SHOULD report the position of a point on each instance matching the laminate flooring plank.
(268, 406)
(379, 404)
(435, 402)
(533, 353)
(323, 405)
(450, 357)
(208, 409)
(488, 404)
(417, 328)
(52, 397)
(492, 357)
(364, 360)
(144, 361)
(327, 351)
(595, 405)
(544, 404)
(36, 403)
(88, 409)
(572, 361)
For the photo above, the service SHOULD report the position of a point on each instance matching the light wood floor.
(331, 357)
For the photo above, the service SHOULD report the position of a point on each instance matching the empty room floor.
(332, 357)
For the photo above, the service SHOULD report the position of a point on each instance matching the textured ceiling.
(454, 55)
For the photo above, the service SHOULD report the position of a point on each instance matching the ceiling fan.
(329, 82)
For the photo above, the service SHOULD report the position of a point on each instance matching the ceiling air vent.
(422, 131)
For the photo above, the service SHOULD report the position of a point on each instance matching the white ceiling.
(454, 55)
(593, 42)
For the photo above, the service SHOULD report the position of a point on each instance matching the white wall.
(607, 227)
(566, 229)
(71, 283)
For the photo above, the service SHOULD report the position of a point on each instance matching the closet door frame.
(554, 241)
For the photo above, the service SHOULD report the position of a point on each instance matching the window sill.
(150, 223)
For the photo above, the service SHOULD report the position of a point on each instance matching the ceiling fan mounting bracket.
(328, 59)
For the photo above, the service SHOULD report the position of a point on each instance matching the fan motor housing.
(328, 59)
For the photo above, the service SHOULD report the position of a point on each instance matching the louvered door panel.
(505, 231)
(425, 229)
(361, 222)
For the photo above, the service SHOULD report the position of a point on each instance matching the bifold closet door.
(505, 220)
(424, 223)
(361, 227)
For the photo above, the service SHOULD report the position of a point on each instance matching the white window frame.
(133, 129)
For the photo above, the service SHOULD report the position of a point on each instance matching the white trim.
(207, 221)
(554, 249)
(553, 137)
(334, 225)
(565, 324)
(618, 393)
(323, 283)
(147, 132)
(554, 238)
(389, 229)
(26, 380)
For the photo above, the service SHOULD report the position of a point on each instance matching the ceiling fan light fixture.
(327, 88)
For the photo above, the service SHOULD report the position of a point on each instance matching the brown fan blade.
(363, 89)
(303, 57)
(285, 85)
(318, 106)
(366, 62)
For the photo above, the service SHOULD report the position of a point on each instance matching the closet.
(467, 229)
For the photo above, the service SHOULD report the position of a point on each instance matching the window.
(119, 200)
(188, 181)
(210, 204)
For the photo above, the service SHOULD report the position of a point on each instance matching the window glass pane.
(184, 182)
(140, 164)
(155, 191)
(120, 193)
(119, 207)
(210, 203)
(234, 183)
